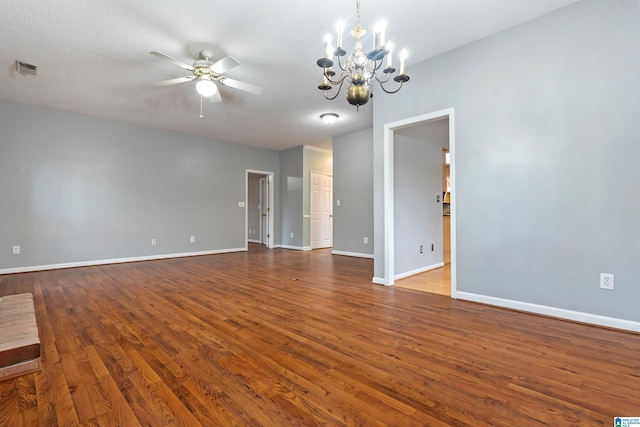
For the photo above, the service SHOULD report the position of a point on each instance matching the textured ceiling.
(93, 58)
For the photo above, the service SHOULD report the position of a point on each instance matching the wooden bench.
(19, 341)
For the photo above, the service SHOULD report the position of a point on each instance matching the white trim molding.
(561, 313)
(270, 176)
(378, 281)
(419, 270)
(352, 254)
(295, 248)
(388, 191)
(115, 261)
(321, 150)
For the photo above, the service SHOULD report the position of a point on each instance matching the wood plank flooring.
(284, 338)
(437, 281)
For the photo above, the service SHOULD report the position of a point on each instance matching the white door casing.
(263, 211)
(266, 207)
(321, 201)
(388, 193)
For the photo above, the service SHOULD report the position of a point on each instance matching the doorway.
(259, 213)
(321, 208)
(388, 192)
(263, 210)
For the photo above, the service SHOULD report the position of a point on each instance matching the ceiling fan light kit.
(207, 73)
(360, 68)
(206, 87)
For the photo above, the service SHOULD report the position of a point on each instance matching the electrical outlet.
(16, 250)
(291, 235)
(606, 281)
(153, 242)
(192, 239)
(366, 240)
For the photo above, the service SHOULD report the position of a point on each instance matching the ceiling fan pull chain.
(201, 106)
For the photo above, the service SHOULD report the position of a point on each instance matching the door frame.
(270, 190)
(262, 187)
(388, 194)
(312, 173)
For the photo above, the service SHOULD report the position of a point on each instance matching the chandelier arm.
(336, 82)
(340, 63)
(384, 89)
(385, 80)
(375, 66)
(331, 98)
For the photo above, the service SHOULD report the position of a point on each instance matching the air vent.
(26, 69)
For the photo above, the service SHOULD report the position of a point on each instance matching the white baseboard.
(380, 280)
(114, 261)
(353, 254)
(295, 248)
(561, 313)
(253, 241)
(418, 271)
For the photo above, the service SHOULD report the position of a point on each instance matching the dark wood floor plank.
(276, 337)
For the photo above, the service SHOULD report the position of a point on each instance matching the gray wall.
(291, 167)
(352, 184)
(417, 187)
(75, 188)
(547, 131)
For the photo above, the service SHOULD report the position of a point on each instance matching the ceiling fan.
(207, 72)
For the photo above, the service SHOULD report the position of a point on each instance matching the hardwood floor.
(279, 338)
(437, 281)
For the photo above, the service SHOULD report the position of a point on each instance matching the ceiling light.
(360, 68)
(206, 87)
(329, 118)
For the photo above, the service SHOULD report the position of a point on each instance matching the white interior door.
(321, 211)
(266, 211)
(264, 224)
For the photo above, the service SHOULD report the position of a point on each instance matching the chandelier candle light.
(360, 68)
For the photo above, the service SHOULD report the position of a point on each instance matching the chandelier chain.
(358, 13)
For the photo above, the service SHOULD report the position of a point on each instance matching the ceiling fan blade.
(175, 81)
(215, 97)
(174, 60)
(256, 90)
(225, 64)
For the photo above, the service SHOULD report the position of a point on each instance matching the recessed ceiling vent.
(26, 69)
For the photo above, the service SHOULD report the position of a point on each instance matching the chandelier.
(359, 68)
